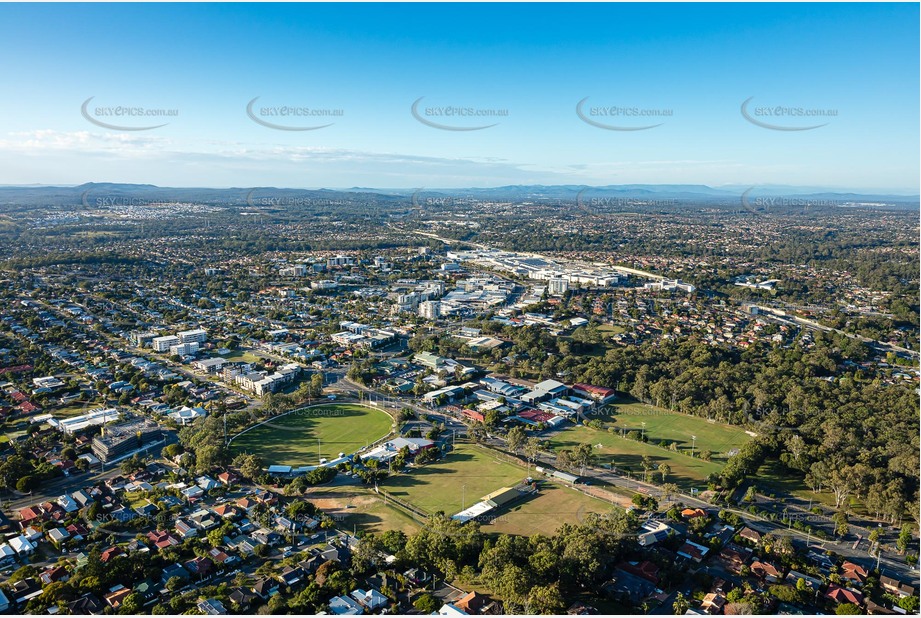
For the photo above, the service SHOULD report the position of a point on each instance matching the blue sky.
(691, 66)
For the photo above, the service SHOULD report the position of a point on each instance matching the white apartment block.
(198, 335)
(430, 309)
(340, 260)
(163, 344)
(296, 270)
(557, 286)
(183, 349)
(260, 383)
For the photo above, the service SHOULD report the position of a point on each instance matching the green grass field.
(626, 454)
(609, 330)
(76, 408)
(359, 509)
(672, 427)
(460, 479)
(302, 437)
(554, 506)
(242, 356)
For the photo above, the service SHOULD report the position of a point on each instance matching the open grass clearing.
(302, 437)
(455, 482)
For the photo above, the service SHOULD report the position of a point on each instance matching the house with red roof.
(162, 539)
(843, 595)
(118, 596)
(766, 571)
(645, 569)
(111, 554)
(29, 515)
(853, 572)
(227, 478)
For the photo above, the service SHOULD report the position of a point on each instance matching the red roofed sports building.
(598, 393)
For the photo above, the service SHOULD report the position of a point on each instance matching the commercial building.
(123, 438)
(548, 389)
(91, 419)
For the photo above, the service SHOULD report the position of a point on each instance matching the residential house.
(52, 574)
(767, 571)
(199, 568)
(750, 535)
(7, 555)
(25, 590)
(174, 570)
(814, 583)
(853, 572)
(185, 529)
(203, 519)
(225, 511)
(344, 606)
(211, 607)
(117, 596)
(21, 545)
(291, 576)
(87, 605)
(241, 599)
(843, 595)
(111, 553)
(162, 539)
(265, 588)
(474, 603)
(734, 557)
(693, 551)
(896, 587)
(713, 603)
(646, 570)
(228, 478)
(371, 600)
(58, 536)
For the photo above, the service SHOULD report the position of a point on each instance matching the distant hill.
(93, 193)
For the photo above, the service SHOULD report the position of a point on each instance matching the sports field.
(554, 506)
(459, 480)
(303, 436)
(673, 427)
(660, 425)
(356, 508)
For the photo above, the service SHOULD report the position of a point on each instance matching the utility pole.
(693, 444)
